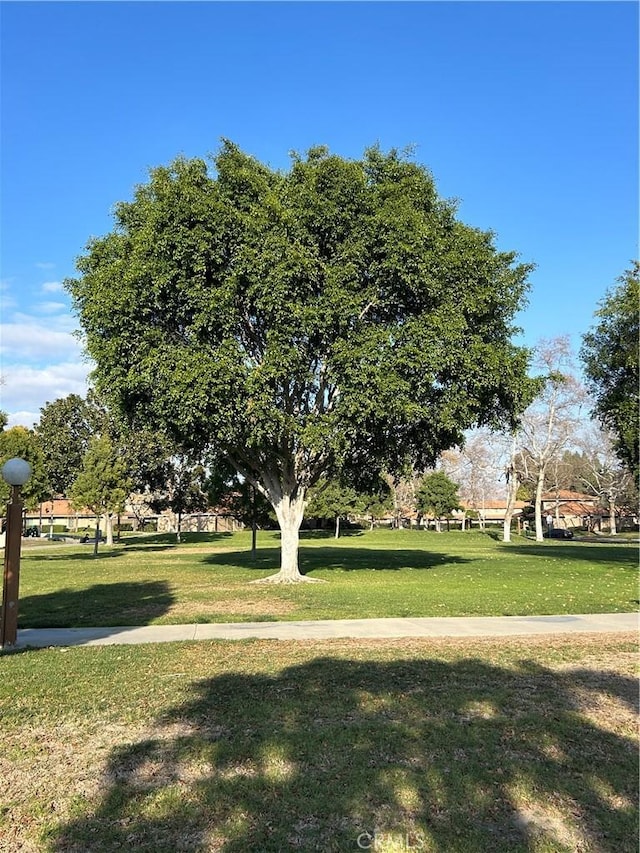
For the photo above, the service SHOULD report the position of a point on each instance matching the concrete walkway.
(466, 626)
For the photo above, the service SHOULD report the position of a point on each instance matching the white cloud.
(25, 389)
(26, 419)
(64, 323)
(52, 287)
(51, 307)
(45, 266)
(27, 338)
(6, 302)
(42, 360)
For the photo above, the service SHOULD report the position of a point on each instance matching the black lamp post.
(15, 472)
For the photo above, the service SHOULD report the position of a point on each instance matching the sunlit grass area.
(521, 745)
(147, 580)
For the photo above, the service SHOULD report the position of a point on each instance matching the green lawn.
(519, 745)
(377, 574)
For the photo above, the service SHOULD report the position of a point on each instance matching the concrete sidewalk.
(466, 626)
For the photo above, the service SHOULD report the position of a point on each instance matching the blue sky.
(525, 112)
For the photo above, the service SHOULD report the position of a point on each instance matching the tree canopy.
(331, 498)
(65, 427)
(611, 356)
(184, 488)
(102, 484)
(18, 441)
(299, 322)
(437, 496)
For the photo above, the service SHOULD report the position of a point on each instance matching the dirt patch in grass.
(173, 550)
(51, 768)
(547, 822)
(237, 606)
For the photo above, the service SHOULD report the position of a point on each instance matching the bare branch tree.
(605, 476)
(550, 424)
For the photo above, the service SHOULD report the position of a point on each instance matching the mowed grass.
(520, 745)
(370, 574)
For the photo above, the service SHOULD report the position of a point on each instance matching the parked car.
(558, 533)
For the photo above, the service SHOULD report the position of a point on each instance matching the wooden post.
(11, 576)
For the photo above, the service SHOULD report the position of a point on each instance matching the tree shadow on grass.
(84, 552)
(620, 556)
(104, 604)
(340, 559)
(188, 538)
(345, 533)
(344, 755)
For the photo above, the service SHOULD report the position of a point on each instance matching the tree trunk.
(337, 533)
(538, 505)
(512, 493)
(179, 527)
(254, 525)
(95, 544)
(289, 509)
(613, 530)
(108, 523)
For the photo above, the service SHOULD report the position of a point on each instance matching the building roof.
(578, 508)
(566, 495)
(493, 503)
(57, 508)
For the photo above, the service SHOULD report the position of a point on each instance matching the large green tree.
(611, 355)
(23, 443)
(65, 428)
(437, 496)
(332, 499)
(184, 489)
(299, 320)
(102, 484)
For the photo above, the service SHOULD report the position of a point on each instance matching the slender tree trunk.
(613, 529)
(95, 544)
(254, 525)
(538, 505)
(179, 527)
(108, 523)
(337, 533)
(512, 492)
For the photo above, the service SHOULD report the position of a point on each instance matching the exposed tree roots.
(280, 578)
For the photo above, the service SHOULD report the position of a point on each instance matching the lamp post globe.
(16, 471)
